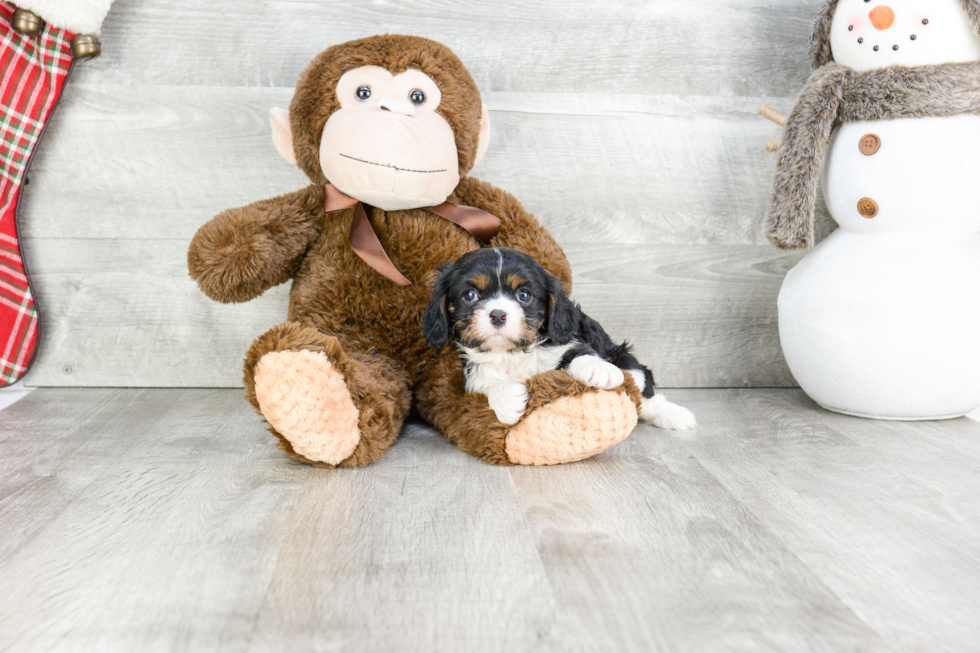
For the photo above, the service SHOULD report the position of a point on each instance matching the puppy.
(512, 320)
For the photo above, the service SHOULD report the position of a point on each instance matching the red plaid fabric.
(33, 71)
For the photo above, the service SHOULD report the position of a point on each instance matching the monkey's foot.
(305, 399)
(571, 428)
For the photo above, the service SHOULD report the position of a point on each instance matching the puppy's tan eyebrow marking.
(515, 281)
(480, 281)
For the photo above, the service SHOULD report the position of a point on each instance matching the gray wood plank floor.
(167, 520)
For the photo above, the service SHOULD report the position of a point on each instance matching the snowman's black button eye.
(363, 93)
(417, 97)
(925, 21)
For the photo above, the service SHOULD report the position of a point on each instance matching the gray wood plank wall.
(627, 127)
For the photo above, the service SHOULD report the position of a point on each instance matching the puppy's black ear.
(435, 320)
(562, 313)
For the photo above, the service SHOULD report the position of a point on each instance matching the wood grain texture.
(893, 504)
(128, 516)
(125, 313)
(168, 520)
(673, 47)
(604, 169)
(627, 127)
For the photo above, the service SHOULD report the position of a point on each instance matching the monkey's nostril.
(399, 107)
(498, 317)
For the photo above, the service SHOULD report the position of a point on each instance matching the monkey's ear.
(484, 142)
(562, 313)
(435, 320)
(282, 134)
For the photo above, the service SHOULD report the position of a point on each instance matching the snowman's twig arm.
(780, 119)
(789, 220)
(767, 111)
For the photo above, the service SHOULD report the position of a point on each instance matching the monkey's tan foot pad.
(571, 429)
(303, 396)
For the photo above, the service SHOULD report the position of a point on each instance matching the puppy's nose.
(498, 317)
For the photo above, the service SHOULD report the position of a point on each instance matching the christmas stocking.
(40, 40)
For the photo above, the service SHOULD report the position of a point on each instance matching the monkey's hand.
(243, 252)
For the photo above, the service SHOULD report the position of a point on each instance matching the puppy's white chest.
(488, 369)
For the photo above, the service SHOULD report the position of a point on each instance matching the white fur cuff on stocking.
(79, 16)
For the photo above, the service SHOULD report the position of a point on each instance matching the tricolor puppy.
(512, 320)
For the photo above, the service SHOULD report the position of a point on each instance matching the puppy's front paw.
(596, 372)
(509, 403)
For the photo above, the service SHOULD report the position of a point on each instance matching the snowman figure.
(882, 318)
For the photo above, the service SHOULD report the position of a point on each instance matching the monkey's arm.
(518, 228)
(243, 252)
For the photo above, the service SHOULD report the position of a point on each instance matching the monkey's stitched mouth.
(387, 165)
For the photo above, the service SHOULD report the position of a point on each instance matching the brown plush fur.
(836, 94)
(367, 326)
(820, 50)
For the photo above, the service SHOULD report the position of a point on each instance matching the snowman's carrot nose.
(882, 17)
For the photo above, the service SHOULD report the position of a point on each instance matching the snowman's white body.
(882, 319)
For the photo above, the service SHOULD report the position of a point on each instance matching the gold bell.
(27, 23)
(86, 46)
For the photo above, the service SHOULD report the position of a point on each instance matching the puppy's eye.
(363, 93)
(523, 296)
(417, 97)
(470, 296)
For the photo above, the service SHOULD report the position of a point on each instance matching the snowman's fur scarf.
(836, 94)
(820, 52)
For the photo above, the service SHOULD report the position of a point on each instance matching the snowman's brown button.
(867, 207)
(869, 144)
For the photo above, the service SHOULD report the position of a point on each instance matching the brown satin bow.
(365, 243)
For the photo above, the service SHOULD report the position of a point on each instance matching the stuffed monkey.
(386, 128)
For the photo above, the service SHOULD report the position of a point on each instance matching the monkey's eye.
(470, 296)
(363, 93)
(523, 296)
(417, 97)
